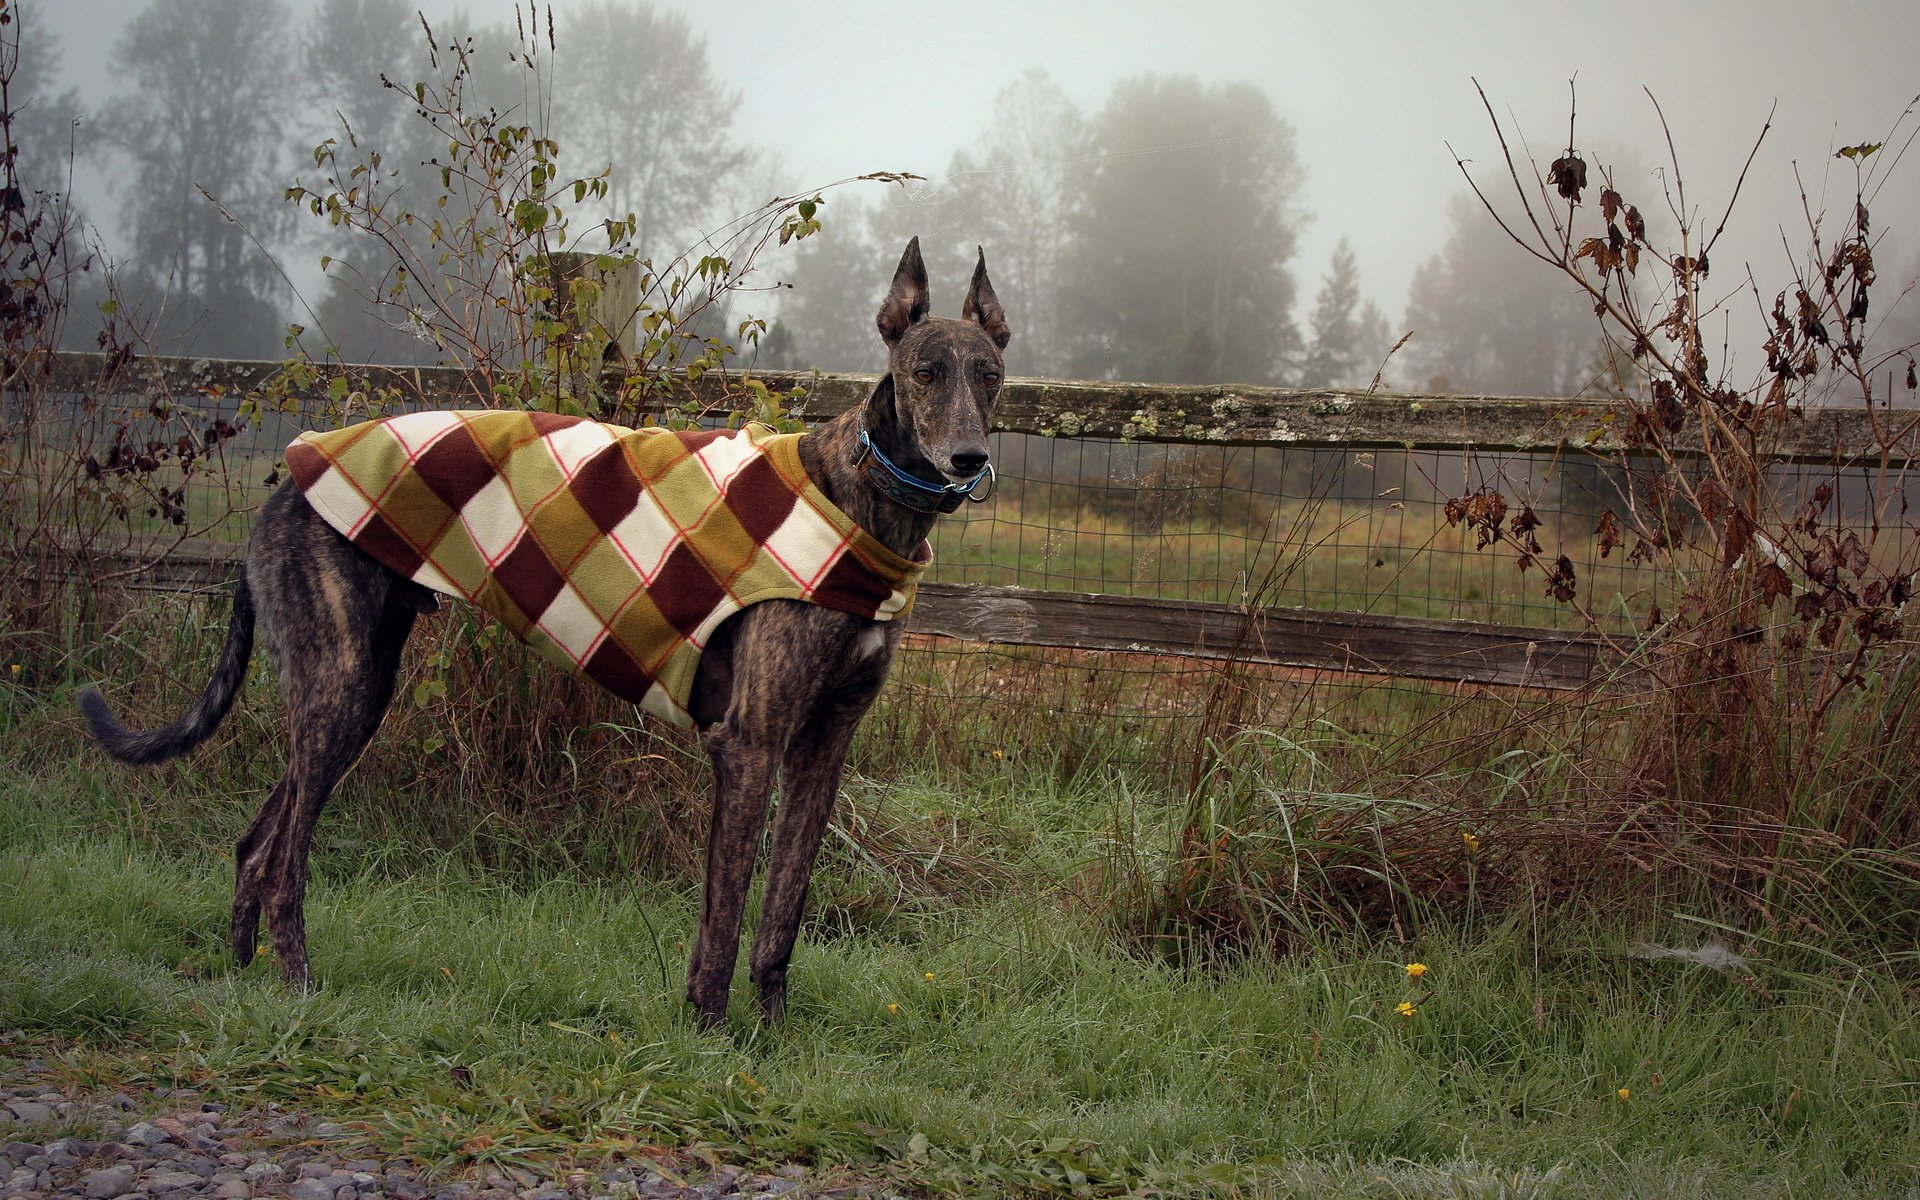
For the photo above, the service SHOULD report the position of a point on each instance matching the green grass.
(1040, 1055)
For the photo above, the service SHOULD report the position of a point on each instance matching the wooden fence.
(1212, 416)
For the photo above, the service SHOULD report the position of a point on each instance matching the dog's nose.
(970, 461)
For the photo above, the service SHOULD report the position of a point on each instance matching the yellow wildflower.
(1406, 1008)
(999, 754)
(13, 669)
(1624, 1093)
(893, 1009)
(1471, 842)
(1416, 970)
(928, 977)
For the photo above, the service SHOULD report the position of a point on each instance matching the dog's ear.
(983, 306)
(906, 304)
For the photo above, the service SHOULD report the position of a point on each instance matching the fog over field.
(1241, 192)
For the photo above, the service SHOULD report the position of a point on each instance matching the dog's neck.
(831, 457)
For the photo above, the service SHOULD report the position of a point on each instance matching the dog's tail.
(130, 746)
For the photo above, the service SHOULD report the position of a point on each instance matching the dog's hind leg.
(334, 622)
(331, 721)
(251, 858)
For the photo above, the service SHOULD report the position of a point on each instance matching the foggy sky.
(1375, 92)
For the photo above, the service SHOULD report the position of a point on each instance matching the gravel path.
(172, 1145)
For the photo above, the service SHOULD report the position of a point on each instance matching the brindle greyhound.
(779, 690)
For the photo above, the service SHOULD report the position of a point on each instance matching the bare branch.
(1731, 200)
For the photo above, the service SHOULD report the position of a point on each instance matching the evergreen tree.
(1349, 334)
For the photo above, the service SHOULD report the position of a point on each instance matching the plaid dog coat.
(615, 552)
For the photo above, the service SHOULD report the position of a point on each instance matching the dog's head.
(943, 376)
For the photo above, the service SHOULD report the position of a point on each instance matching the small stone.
(212, 1106)
(234, 1189)
(108, 1182)
(362, 1164)
(120, 1100)
(313, 1170)
(544, 1193)
(330, 1129)
(263, 1173)
(170, 1181)
(30, 1112)
(308, 1188)
(346, 1193)
(146, 1135)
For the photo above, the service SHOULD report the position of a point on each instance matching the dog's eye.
(923, 375)
(992, 378)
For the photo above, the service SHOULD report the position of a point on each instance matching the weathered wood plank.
(1417, 648)
(1239, 416)
(1410, 647)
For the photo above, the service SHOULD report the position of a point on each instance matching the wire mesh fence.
(1361, 528)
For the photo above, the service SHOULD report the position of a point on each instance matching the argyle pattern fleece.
(615, 552)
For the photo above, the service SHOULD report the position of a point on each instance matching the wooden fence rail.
(1359, 643)
(1176, 413)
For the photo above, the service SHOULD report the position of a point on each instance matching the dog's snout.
(970, 460)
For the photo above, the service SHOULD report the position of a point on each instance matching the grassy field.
(975, 1027)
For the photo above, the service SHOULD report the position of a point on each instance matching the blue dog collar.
(912, 492)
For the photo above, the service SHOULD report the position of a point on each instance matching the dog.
(779, 686)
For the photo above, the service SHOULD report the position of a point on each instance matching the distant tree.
(1349, 335)
(205, 105)
(43, 135)
(1183, 223)
(1015, 187)
(1485, 318)
(1895, 329)
(634, 91)
(349, 45)
(43, 120)
(827, 306)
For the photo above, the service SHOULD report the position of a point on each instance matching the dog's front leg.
(809, 785)
(743, 768)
